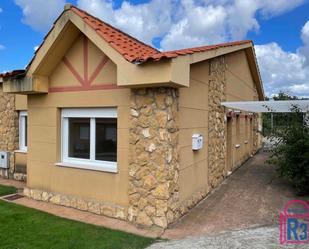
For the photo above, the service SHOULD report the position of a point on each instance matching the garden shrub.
(291, 151)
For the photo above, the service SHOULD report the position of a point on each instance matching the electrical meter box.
(197, 141)
(4, 160)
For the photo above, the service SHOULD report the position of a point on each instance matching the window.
(23, 136)
(89, 138)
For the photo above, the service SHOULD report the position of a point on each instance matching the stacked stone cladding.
(93, 206)
(154, 157)
(217, 126)
(8, 130)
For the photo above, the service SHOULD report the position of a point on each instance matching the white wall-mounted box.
(197, 141)
(4, 160)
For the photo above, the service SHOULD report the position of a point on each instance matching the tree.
(274, 121)
(291, 151)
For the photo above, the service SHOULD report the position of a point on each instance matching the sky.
(278, 28)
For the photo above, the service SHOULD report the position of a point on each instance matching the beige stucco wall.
(20, 102)
(240, 87)
(193, 118)
(242, 138)
(20, 166)
(62, 76)
(44, 136)
(44, 147)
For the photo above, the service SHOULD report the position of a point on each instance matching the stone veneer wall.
(216, 122)
(92, 206)
(8, 130)
(154, 158)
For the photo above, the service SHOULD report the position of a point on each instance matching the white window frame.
(91, 163)
(22, 131)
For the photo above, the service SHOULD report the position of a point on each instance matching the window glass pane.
(26, 134)
(106, 139)
(79, 138)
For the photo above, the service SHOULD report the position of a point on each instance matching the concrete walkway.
(252, 196)
(256, 238)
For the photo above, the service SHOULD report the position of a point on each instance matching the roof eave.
(255, 71)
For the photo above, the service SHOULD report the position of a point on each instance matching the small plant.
(291, 151)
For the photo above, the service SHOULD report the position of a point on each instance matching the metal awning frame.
(280, 106)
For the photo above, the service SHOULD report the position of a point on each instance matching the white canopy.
(269, 106)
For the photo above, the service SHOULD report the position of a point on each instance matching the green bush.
(291, 152)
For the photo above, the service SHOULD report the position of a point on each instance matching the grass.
(7, 190)
(26, 228)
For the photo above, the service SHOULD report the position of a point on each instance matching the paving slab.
(252, 196)
(256, 238)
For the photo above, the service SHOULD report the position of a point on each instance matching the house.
(12, 149)
(112, 121)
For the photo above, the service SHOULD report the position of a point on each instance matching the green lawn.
(25, 228)
(6, 190)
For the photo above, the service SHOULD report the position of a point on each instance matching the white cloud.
(40, 14)
(283, 71)
(300, 89)
(180, 23)
(222, 20)
(186, 23)
(143, 21)
(305, 38)
(273, 8)
(199, 26)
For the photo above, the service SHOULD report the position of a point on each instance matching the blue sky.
(276, 27)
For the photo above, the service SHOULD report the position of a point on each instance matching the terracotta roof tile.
(12, 73)
(129, 47)
(134, 50)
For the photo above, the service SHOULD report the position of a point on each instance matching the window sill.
(108, 169)
(21, 151)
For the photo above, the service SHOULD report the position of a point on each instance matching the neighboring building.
(12, 154)
(111, 120)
